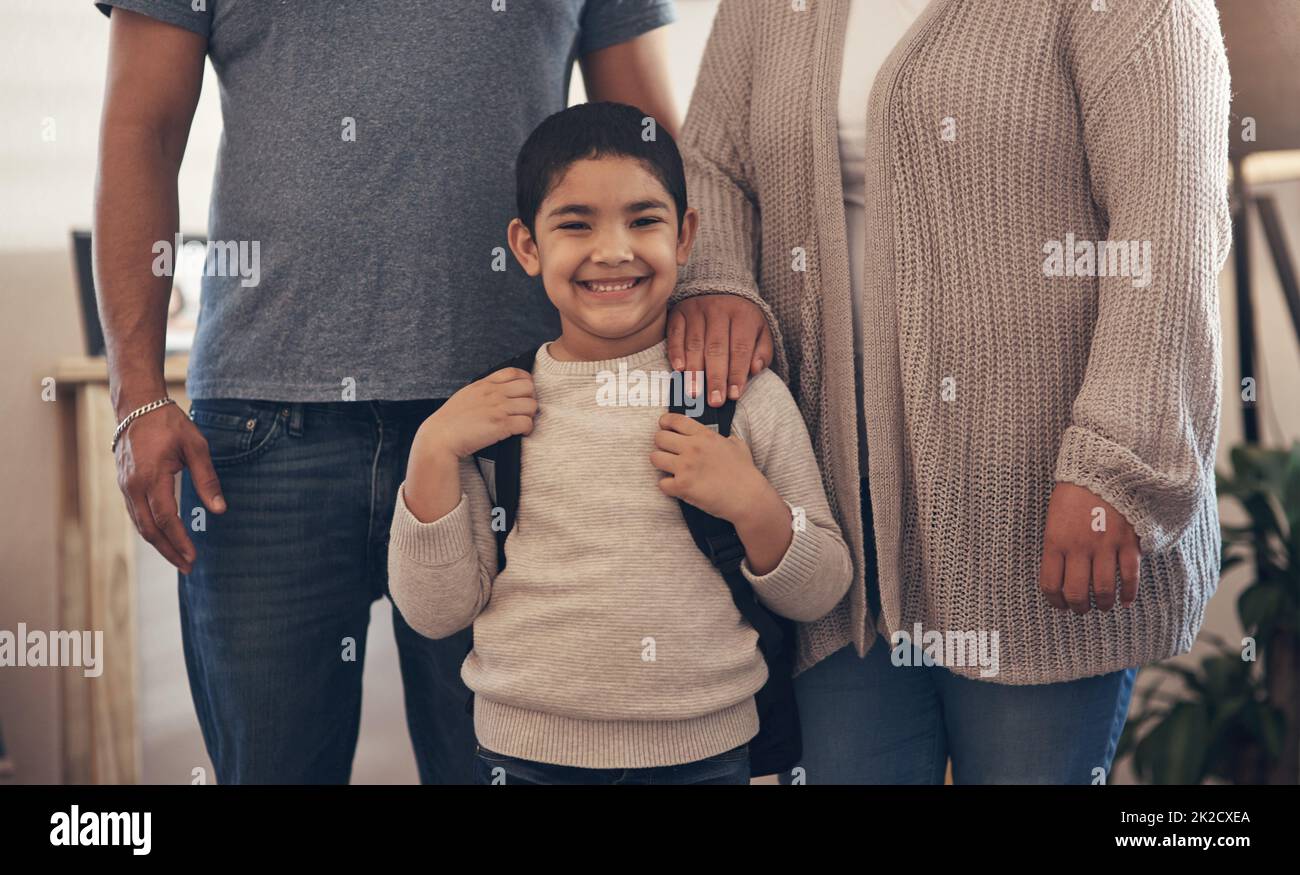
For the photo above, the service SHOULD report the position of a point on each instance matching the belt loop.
(294, 412)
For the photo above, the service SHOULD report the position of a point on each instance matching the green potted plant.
(1237, 717)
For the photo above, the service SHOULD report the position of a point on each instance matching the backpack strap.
(717, 538)
(499, 464)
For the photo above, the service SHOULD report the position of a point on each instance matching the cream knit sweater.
(609, 641)
(996, 129)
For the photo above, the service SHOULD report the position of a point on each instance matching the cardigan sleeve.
(1145, 422)
(715, 146)
(440, 573)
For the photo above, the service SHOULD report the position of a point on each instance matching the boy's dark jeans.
(275, 612)
(729, 767)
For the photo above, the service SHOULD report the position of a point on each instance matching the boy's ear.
(686, 234)
(524, 247)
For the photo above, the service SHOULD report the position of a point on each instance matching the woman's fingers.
(745, 330)
(1051, 577)
(1078, 578)
(717, 354)
(677, 338)
(763, 351)
(1103, 579)
(692, 334)
(1130, 569)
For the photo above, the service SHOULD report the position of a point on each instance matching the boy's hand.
(484, 412)
(714, 473)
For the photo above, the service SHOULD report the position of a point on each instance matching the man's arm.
(155, 72)
(634, 72)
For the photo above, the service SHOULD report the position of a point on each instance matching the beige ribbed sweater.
(609, 641)
(995, 127)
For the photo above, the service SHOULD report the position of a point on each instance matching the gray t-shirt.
(367, 169)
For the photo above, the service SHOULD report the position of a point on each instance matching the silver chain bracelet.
(136, 414)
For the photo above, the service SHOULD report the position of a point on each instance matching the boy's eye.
(573, 226)
(650, 219)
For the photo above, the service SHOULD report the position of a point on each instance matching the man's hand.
(723, 335)
(1084, 542)
(154, 449)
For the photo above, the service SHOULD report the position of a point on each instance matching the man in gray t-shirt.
(358, 275)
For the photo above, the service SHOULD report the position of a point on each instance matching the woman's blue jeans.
(867, 721)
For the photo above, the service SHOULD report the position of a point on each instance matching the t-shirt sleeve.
(178, 12)
(607, 23)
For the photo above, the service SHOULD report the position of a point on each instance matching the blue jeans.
(275, 612)
(867, 721)
(729, 767)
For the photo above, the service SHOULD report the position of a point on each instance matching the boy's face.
(607, 246)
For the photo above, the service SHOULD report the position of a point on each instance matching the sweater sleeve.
(440, 573)
(1145, 422)
(715, 147)
(817, 568)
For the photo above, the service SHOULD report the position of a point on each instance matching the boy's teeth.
(610, 287)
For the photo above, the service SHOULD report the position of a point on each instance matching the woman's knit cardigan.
(999, 132)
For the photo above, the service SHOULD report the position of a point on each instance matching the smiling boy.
(608, 649)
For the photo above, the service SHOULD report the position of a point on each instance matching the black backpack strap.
(499, 464)
(717, 538)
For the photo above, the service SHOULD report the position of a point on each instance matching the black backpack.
(778, 745)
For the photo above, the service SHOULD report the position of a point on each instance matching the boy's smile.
(607, 245)
(614, 288)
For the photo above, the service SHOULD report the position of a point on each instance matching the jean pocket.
(238, 431)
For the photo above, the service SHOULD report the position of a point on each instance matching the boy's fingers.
(664, 461)
(516, 387)
(519, 424)
(524, 405)
(670, 441)
(677, 338)
(679, 422)
(505, 375)
(717, 352)
(669, 486)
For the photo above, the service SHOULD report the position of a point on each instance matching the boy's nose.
(612, 248)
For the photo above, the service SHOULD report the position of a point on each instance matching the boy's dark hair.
(589, 131)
